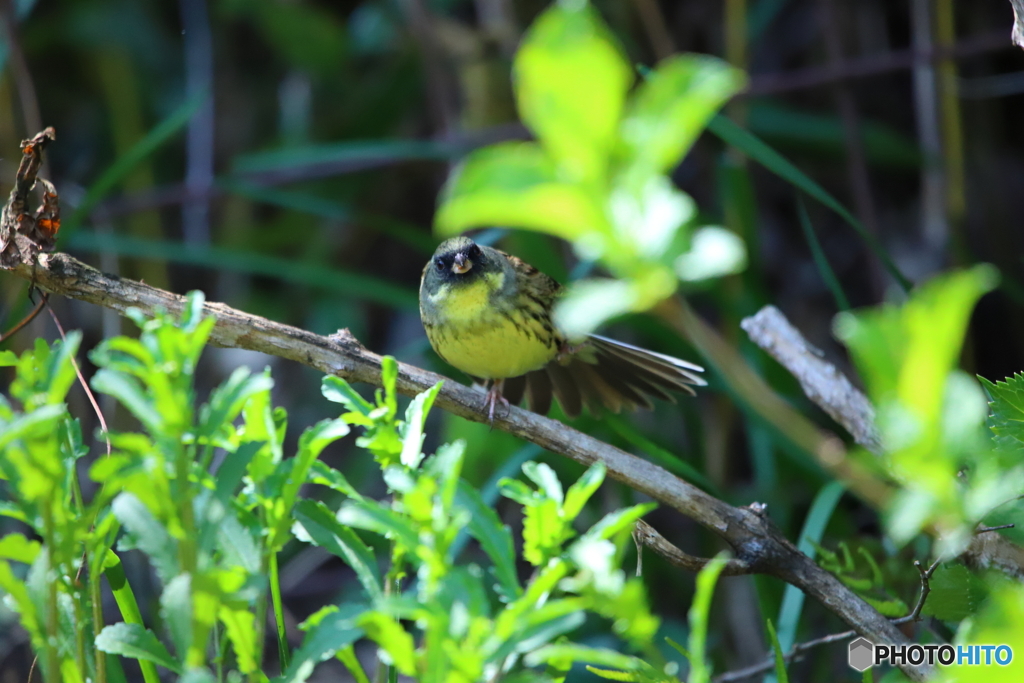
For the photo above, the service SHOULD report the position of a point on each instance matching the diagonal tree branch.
(755, 542)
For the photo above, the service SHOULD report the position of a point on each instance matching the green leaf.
(698, 616)
(391, 638)
(132, 640)
(326, 532)
(907, 353)
(780, 663)
(176, 611)
(571, 80)
(228, 398)
(240, 625)
(412, 429)
(325, 475)
(334, 632)
(339, 391)
(673, 105)
(956, 593)
(544, 531)
(14, 546)
(582, 489)
(1007, 406)
(616, 521)
(147, 534)
(545, 478)
(494, 537)
(516, 184)
(131, 395)
(8, 359)
(372, 516)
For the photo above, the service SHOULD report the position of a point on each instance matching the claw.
(493, 398)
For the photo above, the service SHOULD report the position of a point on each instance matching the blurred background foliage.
(286, 157)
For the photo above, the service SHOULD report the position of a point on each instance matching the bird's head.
(458, 260)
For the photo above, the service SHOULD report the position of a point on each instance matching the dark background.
(303, 190)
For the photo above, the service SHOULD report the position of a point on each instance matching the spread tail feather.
(606, 373)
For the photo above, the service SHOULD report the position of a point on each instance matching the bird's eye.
(439, 264)
(473, 251)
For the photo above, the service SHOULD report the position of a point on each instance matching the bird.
(489, 314)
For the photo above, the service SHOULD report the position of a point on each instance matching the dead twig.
(646, 536)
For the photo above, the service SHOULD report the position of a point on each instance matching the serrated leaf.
(240, 625)
(339, 540)
(176, 610)
(132, 640)
(148, 535)
(1007, 406)
(332, 633)
(956, 593)
(544, 531)
(494, 537)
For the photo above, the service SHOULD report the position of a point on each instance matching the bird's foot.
(493, 398)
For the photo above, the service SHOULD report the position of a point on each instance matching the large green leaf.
(338, 539)
(673, 106)
(132, 640)
(516, 184)
(494, 537)
(571, 81)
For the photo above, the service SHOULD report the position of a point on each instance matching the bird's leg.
(493, 397)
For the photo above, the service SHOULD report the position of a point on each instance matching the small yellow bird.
(488, 314)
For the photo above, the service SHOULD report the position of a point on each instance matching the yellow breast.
(479, 338)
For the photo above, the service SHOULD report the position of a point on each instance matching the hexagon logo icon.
(862, 654)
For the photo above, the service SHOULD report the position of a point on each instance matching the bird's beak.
(461, 264)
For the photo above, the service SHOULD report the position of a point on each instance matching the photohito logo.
(863, 654)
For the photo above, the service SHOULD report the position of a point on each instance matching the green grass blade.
(780, 661)
(824, 269)
(353, 285)
(814, 526)
(367, 153)
(756, 149)
(124, 165)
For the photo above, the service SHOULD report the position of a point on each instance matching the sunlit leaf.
(132, 640)
(673, 105)
(516, 184)
(571, 80)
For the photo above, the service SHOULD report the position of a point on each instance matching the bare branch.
(1017, 34)
(647, 536)
(820, 380)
